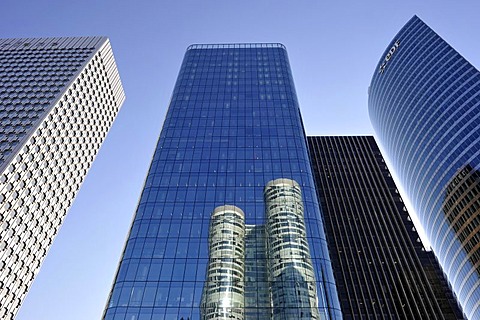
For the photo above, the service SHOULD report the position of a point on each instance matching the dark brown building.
(381, 268)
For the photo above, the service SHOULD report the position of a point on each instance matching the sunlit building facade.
(381, 269)
(58, 99)
(232, 129)
(424, 103)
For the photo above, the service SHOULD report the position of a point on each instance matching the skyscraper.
(58, 99)
(381, 268)
(231, 163)
(424, 103)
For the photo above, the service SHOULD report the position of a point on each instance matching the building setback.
(381, 268)
(58, 99)
(424, 103)
(233, 127)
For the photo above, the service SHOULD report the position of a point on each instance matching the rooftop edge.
(236, 46)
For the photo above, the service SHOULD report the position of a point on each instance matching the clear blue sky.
(333, 50)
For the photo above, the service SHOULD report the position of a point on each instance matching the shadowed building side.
(380, 265)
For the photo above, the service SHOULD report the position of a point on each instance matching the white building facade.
(58, 99)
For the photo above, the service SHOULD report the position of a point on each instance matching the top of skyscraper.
(35, 73)
(51, 43)
(236, 46)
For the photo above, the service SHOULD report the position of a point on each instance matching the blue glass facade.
(424, 102)
(233, 126)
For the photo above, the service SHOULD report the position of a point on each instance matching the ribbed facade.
(424, 103)
(232, 126)
(380, 266)
(58, 99)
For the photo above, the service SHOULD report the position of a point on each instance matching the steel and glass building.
(233, 136)
(381, 268)
(424, 103)
(58, 99)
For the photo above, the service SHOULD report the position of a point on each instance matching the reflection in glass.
(290, 267)
(265, 270)
(462, 210)
(223, 294)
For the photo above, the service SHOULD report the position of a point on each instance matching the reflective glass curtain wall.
(424, 103)
(233, 126)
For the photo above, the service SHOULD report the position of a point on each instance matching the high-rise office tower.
(58, 99)
(232, 138)
(381, 268)
(424, 103)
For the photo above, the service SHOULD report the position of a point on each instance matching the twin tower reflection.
(261, 271)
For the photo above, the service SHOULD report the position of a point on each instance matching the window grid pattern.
(425, 107)
(380, 265)
(56, 107)
(257, 291)
(233, 124)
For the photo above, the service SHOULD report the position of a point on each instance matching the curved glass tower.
(424, 103)
(232, 126)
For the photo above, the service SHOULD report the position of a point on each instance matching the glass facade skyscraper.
(208, 240)
(424, 103)
(58, 99)
(381, 269)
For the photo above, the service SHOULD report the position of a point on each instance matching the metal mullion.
(394, 240)
(384, 254)
(362, 196)
(327, 188)
(405, 254)
(352, 227)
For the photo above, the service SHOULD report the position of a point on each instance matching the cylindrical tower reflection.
(292, 279)
(223, 294)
